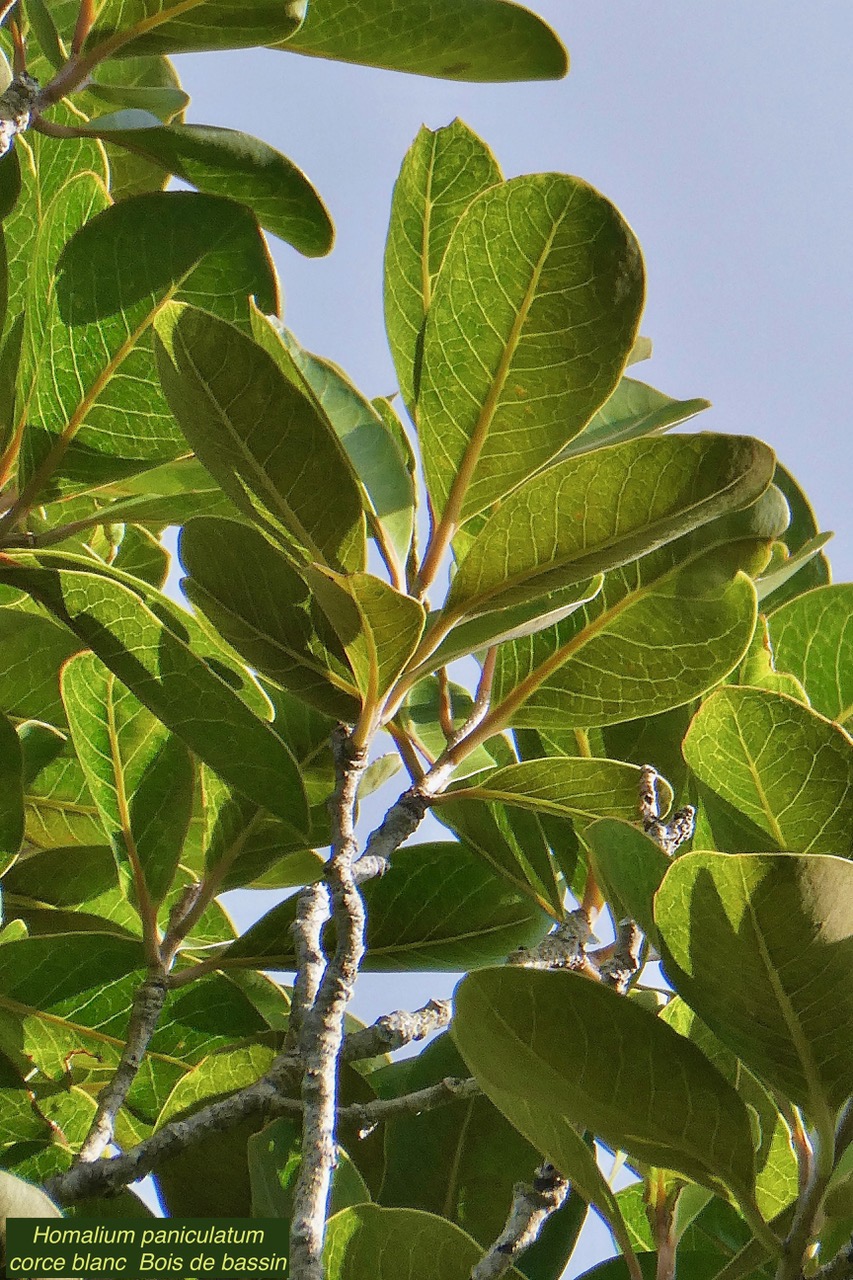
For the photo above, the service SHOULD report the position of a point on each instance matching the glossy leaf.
(11, 794)
(787, 769)
(438, 908)
(140, 776)
(225, 162)
(525, 1035)
(596, 512)
(271, 618)
(134, 27)
(812, 638)
(176, 685)
(260, 438)
(519, 348)
(634, 409)
(461, 1162)
(488, 40)
(813, 570)
(444, 169)
(761, 945)
(563, 786)
(87, 385)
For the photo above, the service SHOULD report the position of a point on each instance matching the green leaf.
(421, 713)
(634, 409)
(488, 40)
(629, 868)
(274, 1162)
(758, 668)
(444, 169)
(512, 842)
(499, 626)
(565, 786)
(134, 27)
(11, 794)
(761, 946)
(176, 685)
(809, 636)
(398, 1244)
(378, 627)
(271, 617)
(142, 556)
(598, 511)
(58, 807)
(462, 1161)
(260, 437)
(776, 1179)
(87, 386)
(812, 569)
(787, 769)
(39, 167)
(519, 347)
(783, 569)
(34, 648)
(225, 162)
(525, 1035)
(140, 776)
(660, 633)
(438, 908)
(376, 456)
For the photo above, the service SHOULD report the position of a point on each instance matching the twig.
(618, 963)
(323, 1024)
(147, 1006)
(666, 835)
(6, 9)
(394, 1030)
(401, 821)
(445, 704)
(407, 752)
(565, 947)
(532, 1205)
(16, 107)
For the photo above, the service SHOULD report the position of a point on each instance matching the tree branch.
(532, 1205)
(265, 1096)
(322, 1030)
(147, 1006)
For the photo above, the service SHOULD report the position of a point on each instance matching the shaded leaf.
(225, 162)
(34, 648)
(761, 945)
(260, 437)
(519, 347)
(461, 1162)
(87, 385)
(378, 627)
(634, 409)
(11, 794)
(438, 908)
(140, 776)
(274, 1162)
(629, 868)
(176, 685)
(525, 1035)
(271, 618)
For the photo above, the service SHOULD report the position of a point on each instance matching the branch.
(265, 1096)
(16, 107)
(147, 1006)
(666, 835)
(838, 1268)
(394, 1030)
(323, 1025)
(532, 1206)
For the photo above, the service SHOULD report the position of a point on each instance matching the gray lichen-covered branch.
(533, 1204)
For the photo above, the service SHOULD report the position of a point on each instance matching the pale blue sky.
(722, 132)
